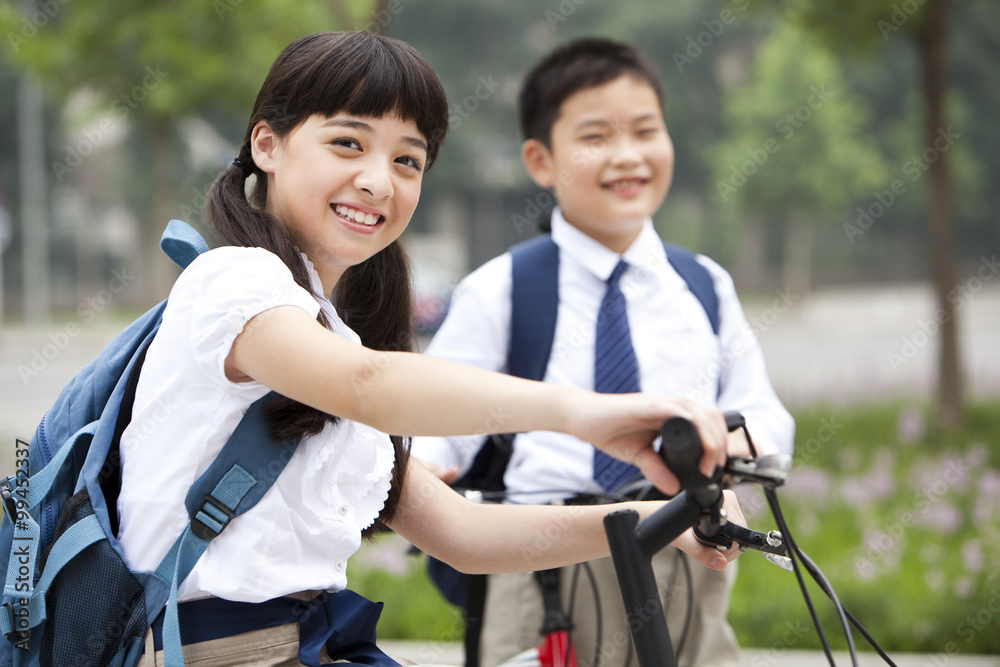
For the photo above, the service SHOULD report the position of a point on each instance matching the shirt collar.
(336, 324)
(598, 258)
(314, 280)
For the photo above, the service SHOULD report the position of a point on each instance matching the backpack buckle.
(211, 519)
(7, 496)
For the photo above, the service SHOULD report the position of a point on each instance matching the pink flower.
(941, 516)
(910, 425)
(972, 556)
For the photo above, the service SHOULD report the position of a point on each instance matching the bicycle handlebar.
(633, 543)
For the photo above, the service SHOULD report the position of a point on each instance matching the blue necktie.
(615, 371)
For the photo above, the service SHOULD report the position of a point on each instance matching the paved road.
(451, 654)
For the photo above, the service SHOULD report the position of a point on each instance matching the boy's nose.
(625, 152)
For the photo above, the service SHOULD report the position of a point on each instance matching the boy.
(592, 120)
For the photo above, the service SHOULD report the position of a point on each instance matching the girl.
(343, 128)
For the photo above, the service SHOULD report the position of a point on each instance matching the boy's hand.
(447, 474)
(738, 445)
(625, 426)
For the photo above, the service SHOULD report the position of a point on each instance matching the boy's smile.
(611, 160)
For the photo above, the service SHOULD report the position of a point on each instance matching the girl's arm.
(487, 539)
(285, 349)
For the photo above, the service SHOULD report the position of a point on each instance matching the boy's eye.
(594, 138)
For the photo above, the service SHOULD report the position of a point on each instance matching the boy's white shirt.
(678, 354)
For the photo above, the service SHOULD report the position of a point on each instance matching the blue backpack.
(68, 597)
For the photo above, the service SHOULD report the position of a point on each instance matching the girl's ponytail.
(374, 299)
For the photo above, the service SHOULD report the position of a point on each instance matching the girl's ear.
(538, 161)
(263, 145)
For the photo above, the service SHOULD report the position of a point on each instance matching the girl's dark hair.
(356, 73)
(581, 64)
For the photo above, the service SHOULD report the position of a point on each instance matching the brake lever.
(770, 544)
(771, 470)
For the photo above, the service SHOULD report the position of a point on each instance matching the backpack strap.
(182, 243)
(237, 479)
(534, 306)
(698, 280)
(535, 300)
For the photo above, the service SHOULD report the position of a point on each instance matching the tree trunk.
(797, 270)
(932, 45)
(159, 271)
(751, 256)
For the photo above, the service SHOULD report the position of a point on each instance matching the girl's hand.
(625, 426)
(707, 555)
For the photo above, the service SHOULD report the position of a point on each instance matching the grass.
(905, 522)
(903, 518)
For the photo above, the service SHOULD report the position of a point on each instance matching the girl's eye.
(347, 142)
(409, 162)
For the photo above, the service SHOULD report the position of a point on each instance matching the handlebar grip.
(681, 450)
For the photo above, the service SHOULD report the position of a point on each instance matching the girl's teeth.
(357, 216)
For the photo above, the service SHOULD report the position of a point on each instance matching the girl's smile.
(345, 186)
(356, 215)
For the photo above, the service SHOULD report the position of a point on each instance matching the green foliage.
(188, 55)
(857, 27)
(902, 519)
(384, 571)
(796, 138)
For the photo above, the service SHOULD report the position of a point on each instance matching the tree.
(857, 27)
(154, 63)
(796, 151)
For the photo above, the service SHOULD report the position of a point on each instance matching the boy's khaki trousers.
(513, 614)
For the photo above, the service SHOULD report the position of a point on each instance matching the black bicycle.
(699, 505)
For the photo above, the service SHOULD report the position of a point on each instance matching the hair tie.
(239, 163)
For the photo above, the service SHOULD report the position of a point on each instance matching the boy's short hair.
(579, 65)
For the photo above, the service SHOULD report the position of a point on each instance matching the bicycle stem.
(633, 543)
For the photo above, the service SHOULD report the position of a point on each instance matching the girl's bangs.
(389, 78)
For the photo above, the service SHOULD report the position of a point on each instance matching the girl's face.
(344, 186)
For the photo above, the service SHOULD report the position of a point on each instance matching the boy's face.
(611, 160)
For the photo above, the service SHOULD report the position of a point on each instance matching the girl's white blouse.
(301, 533)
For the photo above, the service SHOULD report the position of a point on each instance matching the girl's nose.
(375, 180)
